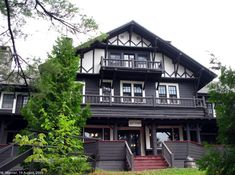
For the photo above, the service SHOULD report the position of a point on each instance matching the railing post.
(101, 62)
(204, 102)
(110, 99)
(194, 101)
(154, 101)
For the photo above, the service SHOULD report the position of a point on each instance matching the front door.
(133, 139)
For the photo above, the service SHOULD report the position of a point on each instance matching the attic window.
(122, 36)
(138, 37)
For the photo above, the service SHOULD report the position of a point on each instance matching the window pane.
(141, 61)
(127, 62)
(7, 101)
(172, 90)
(25, 100)
(138, 90)
(162, 91)
(115, 59)
(106, 88)
(126, 92)
(126, 89)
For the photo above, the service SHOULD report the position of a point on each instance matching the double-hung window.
(127, 92)
(7, 101)
(106, 91)
(115, 60)
(162, 93)
(132, 92)
(141, 61)
(168, 93)
(172, 94)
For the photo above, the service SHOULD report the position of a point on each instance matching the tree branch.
(15, 55)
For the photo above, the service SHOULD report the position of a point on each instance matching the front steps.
(149, 162)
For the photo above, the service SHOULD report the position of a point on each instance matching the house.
(143, 95)
(143, 90)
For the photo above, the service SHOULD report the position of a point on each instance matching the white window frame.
(167, 91)
(132, 89)
(112, 90)
(83, 91)
(14, 102)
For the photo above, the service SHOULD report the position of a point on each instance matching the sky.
(196, 27)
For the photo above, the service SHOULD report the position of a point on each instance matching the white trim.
(14, 101)
(83, 90)
(112, 90)
(132, 88)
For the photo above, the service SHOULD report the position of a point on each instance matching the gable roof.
(204, 74)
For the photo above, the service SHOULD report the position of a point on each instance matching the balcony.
(131, 65)
(150, 101)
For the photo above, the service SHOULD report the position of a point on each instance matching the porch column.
(188, 132)
(198, 134)
(154, 139)
(115, 132)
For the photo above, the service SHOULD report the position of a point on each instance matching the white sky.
(193, 26)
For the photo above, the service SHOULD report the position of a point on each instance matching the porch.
(117, 155)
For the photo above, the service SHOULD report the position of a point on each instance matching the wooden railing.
(144, 101)
(129, 157)
(10, 157)
(168, 155)
(131, 63)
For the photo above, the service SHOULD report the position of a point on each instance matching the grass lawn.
(173, 171)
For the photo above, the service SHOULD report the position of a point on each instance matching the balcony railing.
(131, 64)
(144, 101)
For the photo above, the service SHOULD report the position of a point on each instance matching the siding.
(146, 112)
(108, 155)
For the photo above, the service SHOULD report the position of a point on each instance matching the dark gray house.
(143, 90)
(143, 95)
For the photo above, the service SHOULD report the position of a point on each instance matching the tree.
(63, 16)
(55, 113)
(222, 94)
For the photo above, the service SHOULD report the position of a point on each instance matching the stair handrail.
(13, 161)
(4, 149)
(129, 156)
(170, 157)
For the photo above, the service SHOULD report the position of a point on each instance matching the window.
(168, 93)
(141, 61)
(162, 93)
(126, 89)
(98, 133)
(25, 100)
(172, 94)
(7, 101)
(106, 91)
(127, 62)
(115, 60)
(132, 91)
(138, 92)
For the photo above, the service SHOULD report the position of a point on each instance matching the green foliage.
(55, 110)
(222, 94)
(217, 162)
